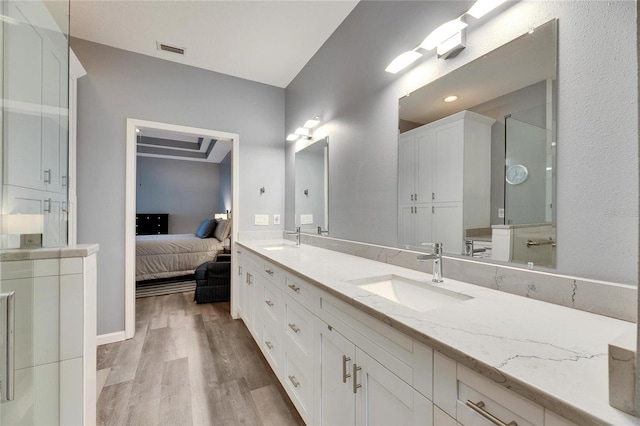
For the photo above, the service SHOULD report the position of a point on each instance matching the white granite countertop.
(80, 250)
(553, 355)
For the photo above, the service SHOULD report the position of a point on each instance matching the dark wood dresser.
(152, 223)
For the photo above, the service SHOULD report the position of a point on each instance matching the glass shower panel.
(35, 117)
(34, 140)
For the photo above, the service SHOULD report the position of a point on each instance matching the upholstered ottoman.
(213, 280)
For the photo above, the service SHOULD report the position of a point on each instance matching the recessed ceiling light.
(451, 98)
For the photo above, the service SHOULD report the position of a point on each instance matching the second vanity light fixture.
(448, 38)
(305, 130)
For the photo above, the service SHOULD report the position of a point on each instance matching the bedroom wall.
(188, 190)
(346, 85)
(225, 192)
(121, 85)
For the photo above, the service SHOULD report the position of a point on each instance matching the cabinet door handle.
(269, 344)
(7, 300)
(239, 270)
(269, 271)
(411, 197)
(478, 407)
(356, 368)
(238, 251)
(269, 303)
(47, 204)
(64, 180)
(294, 288)
(433, 195)
(294, 328)
(345, 375)
(433, 209)
(47, 176)
(294, 381)
(415, 197)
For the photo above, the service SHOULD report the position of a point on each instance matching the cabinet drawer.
(273, 273)
(298, 325)
(272, 346)
(493, 399)
(271, 302)
(302, 292)
(298, 381)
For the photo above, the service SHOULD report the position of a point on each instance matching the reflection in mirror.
(312, 187)
(478, 173)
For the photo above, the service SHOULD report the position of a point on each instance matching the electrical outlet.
(501, 213)
(276, 219)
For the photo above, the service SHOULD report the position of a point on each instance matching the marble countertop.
(553, 355)
(80, 250)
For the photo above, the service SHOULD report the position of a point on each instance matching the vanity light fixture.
(482, 7)
(303, 131)
(449, 37)
(310, 124)
(403, 61)
(293, 137)
(443, 33)
(451, 98)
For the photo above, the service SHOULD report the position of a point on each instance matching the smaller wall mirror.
(312, 187)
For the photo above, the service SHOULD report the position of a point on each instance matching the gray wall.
(346, 85)
(187, 190)
(225, 192)
(122, 85)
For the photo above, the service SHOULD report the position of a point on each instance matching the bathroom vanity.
(356, 341)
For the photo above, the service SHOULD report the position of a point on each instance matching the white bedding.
(171, 255)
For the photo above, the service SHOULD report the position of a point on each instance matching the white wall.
(121, 85)
(345, 83)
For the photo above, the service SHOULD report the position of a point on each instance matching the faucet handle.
(437, 247)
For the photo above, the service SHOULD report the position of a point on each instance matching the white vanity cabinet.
(444, 180)
(356, 389)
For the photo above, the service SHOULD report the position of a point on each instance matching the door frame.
(130, 207)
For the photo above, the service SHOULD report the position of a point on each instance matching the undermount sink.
(420, 297)
(278, 246)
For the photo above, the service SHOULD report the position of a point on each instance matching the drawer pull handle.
(294, 288)
(269, 271)
(239, 270)
(269, 344)
(345, 375)
(479, 408)
(294, 328)
(356, 368)
(294, 381)
(269, 303)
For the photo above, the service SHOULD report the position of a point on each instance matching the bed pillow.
(223, 229)
(206, 228)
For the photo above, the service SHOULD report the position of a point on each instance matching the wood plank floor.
(188, 364)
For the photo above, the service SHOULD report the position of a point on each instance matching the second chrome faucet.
(436, 256)
(296, 233)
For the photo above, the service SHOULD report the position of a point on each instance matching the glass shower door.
(34, 128)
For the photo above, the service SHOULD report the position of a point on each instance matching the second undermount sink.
(420, 297)
(278, 246)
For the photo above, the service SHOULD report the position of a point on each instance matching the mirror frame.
(323, 228)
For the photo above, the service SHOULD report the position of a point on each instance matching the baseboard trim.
(104, 339)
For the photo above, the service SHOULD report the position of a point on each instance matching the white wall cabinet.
(444, 180)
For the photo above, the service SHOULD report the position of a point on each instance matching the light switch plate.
(261, 220)
(501, 213)
(306, 219)
(276, 219)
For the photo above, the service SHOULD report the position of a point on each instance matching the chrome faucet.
(436, 256)
(321, 232)
(296, 233)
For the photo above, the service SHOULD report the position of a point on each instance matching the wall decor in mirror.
(312, 187)
(477, 156)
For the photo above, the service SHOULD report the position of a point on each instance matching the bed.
(172, 255)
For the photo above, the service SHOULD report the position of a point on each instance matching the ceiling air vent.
(172, 49)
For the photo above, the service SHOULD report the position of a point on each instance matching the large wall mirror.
(477, 156)
(312, 187)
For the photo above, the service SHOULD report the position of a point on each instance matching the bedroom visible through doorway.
(180, 204)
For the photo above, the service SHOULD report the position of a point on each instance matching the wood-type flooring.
(188, 364)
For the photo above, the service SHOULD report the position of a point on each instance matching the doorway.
(133, 125)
